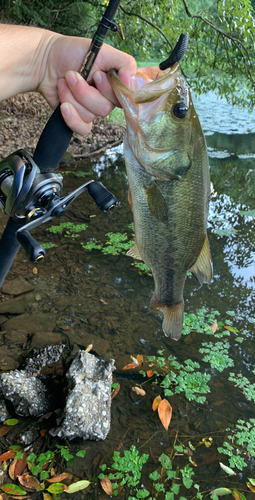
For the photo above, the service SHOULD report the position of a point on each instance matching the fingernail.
(61, 85)
(65, 109)
(133, 83)
(97, 77)
(72, 77)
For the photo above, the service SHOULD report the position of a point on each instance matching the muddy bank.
(23, 117)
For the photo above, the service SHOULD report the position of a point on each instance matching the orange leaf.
(115, 392)
(236, 494)
(128, 367)
(139, 359)
(7, 455)
(138, 391)
(252, 488)
(156, 402)
(90, 346)
(165, 413)
(106, 485)
(4, 429)
(58, 479)
(150, 373)
(29, 481)
(214, 326)
(43, 432)
(19, 466)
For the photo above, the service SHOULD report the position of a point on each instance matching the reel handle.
(34, 251)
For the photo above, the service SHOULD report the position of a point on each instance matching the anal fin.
(134, 252)
(173, 317)
(202, 269)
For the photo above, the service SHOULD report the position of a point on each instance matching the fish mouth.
(149, 84)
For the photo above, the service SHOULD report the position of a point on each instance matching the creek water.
(104, 299)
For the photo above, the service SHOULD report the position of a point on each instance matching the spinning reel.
(32, 198)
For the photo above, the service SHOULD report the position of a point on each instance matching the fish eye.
(180, 110)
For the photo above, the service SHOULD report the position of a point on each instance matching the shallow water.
(103, 297)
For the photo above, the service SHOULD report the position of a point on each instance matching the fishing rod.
(30, 190)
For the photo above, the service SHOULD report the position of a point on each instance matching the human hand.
(81, 101)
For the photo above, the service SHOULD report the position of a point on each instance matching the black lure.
(177, 52)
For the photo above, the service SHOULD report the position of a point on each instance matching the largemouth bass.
(169, 186)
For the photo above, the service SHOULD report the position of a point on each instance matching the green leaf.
(19, 455)
(142, 493)
(154, 475)
(44, 475)
(13, 489)
(80, 485)
(220, 492)
(11, 421)
(252, 481)
(226, 469)
(56, 488)
(102, 467)
(165, 461)
(81, 453)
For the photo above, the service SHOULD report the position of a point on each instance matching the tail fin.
(173, 317)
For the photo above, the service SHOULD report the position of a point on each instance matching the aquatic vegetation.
(217, 355)
(49, 245)
(242, 438)
(69, 227)
(247, 388)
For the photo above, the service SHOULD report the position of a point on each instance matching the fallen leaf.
(156, 402)
(116, 390)
(46, 496)
(4, 429)
(11, 421)
(207, 442)
(252, 481)
(165, 413)
(13, 489)
(214, 326)
(35, 270)
(238, 495)
(57, 488)
(29, 481)
(149, 373)
(45, 417)
(106, 485)
(79, 485)
(103, 302)
(58, 479)
(90, 346)
(252, 488)
(226, 469)
(17, 467)
(220, 492)
(43, 432)
(127, 367)
(231, 329)
(138, 391)
(7, 455)
(139, 359)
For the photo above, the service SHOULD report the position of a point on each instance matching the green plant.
(69, 227)
(217, 355)
(244, 384)
(242, 439)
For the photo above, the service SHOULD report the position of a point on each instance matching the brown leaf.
(156, 402)
(17, 467)
(7, 455)
(35, 270)
(29, 481)
(115, 392)
(150, 373)
(106, 485)
(139, 359)
(237, 495)
(58, 479)
(90, 346)
(165, 413)
(252, 488)
(138, 391)
(214, 326)
(128, 367)
(43, 432)
(4, 429)
(45, 417)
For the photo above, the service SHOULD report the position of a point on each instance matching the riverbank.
(22, 120)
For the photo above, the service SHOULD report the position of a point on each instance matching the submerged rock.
(26, 393)
(88, 407)
(43, 357)
(3, 412)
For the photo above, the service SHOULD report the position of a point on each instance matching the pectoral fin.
(134, 252)
(202, 269)
(173, 317)
(156, 203)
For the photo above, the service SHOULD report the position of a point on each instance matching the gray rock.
(3, 412)
(16, 286)
(43, 357)
(31, 323)
(88, 407)
(26, 393)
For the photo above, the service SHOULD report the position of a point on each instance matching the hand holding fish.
(35, 59)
